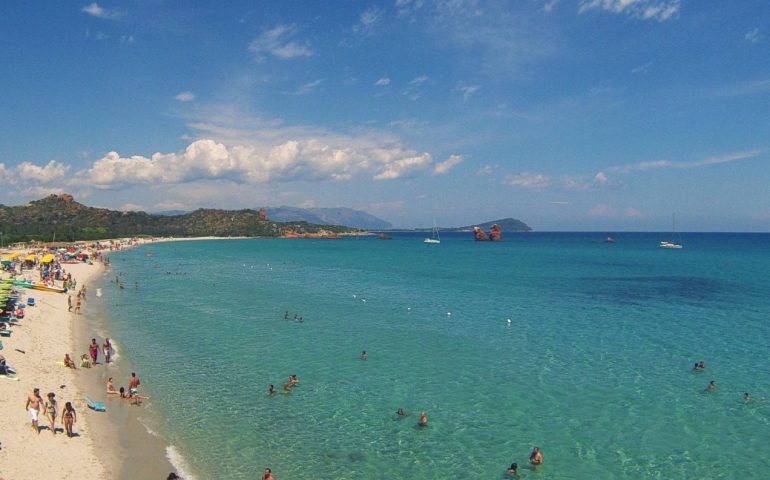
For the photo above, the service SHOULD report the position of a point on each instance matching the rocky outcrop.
(495, 233)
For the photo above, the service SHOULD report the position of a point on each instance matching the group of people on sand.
(712, 385)
(87, 360)
(132, 395)
(50, 408)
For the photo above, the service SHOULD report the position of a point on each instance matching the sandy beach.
(110, 444)
(35, 350)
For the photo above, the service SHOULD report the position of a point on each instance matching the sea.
(582, 348)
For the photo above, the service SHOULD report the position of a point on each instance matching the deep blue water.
(595, 367)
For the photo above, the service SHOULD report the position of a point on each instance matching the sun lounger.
(98, 406)
(5, 333)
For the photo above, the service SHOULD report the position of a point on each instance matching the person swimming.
(364, 355)
(746, 397)
(712, 386)
(423, 419)
(271, 390)
(514, 469)
(400, 412)
(536, 458)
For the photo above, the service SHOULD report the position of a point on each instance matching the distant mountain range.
(506, 225)
(328, 216)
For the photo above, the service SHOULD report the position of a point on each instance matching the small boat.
(382, 236)
(672, 244)
(434, 237)
(609, 240)
(47, 288)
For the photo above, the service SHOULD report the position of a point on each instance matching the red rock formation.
(495, 233)
(479, 233)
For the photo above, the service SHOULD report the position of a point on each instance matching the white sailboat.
(672, 244)
(434, 238)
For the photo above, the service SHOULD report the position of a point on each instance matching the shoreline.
(35, 350)
(115, 443)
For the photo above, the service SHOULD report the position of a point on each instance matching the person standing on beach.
(133, 384)
(51, 411)
(93, 349)
(69, 417)
(69, 303)
(33, 407)
(77, 306)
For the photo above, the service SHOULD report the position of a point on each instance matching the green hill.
(60, 217)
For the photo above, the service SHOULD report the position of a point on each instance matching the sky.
(603, 115)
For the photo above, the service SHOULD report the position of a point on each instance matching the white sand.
(45, 335)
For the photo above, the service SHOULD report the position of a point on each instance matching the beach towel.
(98, 406)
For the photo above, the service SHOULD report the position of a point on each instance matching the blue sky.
(566, 114)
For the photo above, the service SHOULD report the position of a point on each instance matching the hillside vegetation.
(61, 218)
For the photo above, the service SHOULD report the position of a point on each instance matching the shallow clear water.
(595, 367)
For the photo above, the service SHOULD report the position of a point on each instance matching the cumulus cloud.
(308, 160)
(279, 42)
(549, 5)
(447, 165)
(531, 181)
(382, 82)
(187, 96)
(660, 10)
(29, 173)
(95, 10)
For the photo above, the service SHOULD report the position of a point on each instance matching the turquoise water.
(595, 367)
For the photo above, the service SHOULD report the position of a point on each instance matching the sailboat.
(672, 244)
(434, 238)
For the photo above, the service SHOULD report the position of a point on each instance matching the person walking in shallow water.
(268, 475)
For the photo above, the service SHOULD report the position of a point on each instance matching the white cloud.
(447, 165)
(753, 36)
(600, 178)
(486, 170)
(307, 160)
(187, 96)
(549, 5)
(468, 90)
(94, 9)
(367, 21)
(642, 69)
(29, 173)
(132, 207)
(418, 80)
(663, 164)
(602, 210)
(382, 82)
(309, 87)
(531, 181)
(413, 90)
(631, 212)
(279, 43)
(660, 10)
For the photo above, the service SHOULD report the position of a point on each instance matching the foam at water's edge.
(178, 462)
